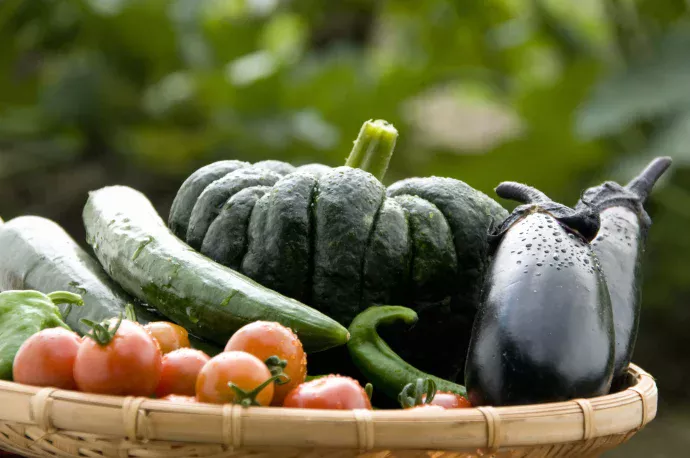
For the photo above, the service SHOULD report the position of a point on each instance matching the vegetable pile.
(264, 271)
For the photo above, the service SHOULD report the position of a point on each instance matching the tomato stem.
(413, 394)
(369, 389)
(130, 314)
(102, 333)
(248, 398)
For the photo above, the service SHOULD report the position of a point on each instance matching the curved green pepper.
(378, 362)
(24, 313)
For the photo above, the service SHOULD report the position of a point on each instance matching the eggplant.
(544, 329)
(619, 246)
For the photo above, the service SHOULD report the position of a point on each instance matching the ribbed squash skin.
(338, 240)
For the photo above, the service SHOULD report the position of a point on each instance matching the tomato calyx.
(369, 390)
(102, 333)
(418, 393)
(248, 398)
(276, 367)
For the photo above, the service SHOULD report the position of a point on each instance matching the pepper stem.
(373, 148)
(65, 297)
(643, 183)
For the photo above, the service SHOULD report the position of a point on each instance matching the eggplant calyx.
(632, 196)
(583, 221)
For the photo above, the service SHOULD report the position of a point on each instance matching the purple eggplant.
(620, 245)
(544, 329)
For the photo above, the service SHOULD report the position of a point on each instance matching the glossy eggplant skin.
(544, 330)
(619, 246)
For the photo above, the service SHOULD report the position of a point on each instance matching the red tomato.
(245, 371)
(128, 365)
(47, 359)
(331, 392)
(180, 399)
(449, 400)
(169, 336)
(179, 372)
(264, 339)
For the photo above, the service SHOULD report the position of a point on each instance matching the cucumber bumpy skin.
(139, 252)
(37, 254)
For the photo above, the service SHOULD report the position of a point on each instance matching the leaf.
(651, 87)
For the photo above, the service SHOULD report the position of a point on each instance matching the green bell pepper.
(24, 313)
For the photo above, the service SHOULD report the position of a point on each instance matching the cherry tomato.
(449, 400)
(331, 392)
(180, 399)
(245, 371)
(179, 372)
(169, 336)
(264, 339)
(47, 359)
(129, 363)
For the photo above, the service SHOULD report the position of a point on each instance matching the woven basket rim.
(143, 419)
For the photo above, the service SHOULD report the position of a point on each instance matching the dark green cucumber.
(37, 254)
(279, 252)
(387, 260)
(378, 362)
(213, 198)
(345, 209)
(226, 239)
(191, 189)
(139, 252)
(434, 264)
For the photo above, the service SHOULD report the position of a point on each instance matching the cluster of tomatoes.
(263, 364)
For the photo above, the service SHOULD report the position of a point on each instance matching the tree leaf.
(651, 87)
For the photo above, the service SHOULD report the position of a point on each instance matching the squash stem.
(373, 148)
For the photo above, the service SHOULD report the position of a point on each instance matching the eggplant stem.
(642, 184)
(521, 193)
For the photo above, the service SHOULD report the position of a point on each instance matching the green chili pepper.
(24, 313)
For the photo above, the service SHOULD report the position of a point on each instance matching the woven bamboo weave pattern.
(51, 423)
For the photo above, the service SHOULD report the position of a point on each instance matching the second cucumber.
(136, 248)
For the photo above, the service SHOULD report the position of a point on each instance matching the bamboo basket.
(42, 422)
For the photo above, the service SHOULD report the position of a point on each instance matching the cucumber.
(210, 300)
(37, 254)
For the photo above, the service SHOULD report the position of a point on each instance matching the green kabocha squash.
(338, 240)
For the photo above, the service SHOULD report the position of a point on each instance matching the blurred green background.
(561, 95)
